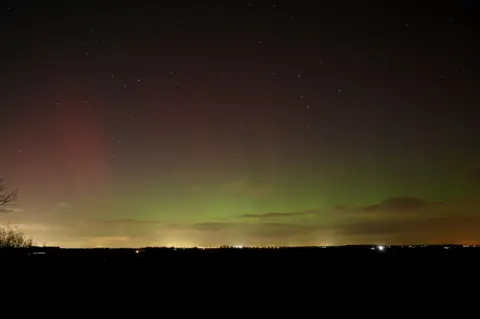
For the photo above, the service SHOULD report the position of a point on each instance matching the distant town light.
(381, 248)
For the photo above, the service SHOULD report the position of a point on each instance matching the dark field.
(268, 272)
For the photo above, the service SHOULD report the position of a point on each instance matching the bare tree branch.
(11, 237)
(6, 197)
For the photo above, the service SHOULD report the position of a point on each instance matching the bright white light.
(238, 247)
(381, 248)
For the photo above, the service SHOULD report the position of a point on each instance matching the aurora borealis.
(134, 124)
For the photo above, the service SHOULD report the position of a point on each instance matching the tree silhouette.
(6, 197)
(10, 236)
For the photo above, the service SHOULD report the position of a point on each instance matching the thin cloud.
(132, 221)
(64, 205)
(280, 215)
(395, 220)
(451, 229)
(395, 204)
(284, 230)
(411, 220)
(217, 226)
(5, 210)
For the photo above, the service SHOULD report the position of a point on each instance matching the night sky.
(134, 124)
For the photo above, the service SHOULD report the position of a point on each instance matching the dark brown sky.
(132, 124)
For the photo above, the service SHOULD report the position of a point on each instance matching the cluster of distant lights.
(217, 247)
(384, 248)
(380, 248)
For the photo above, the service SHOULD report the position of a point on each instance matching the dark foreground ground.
(364, 272)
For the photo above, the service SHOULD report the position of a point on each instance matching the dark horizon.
(273, 247)
(356, 247)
